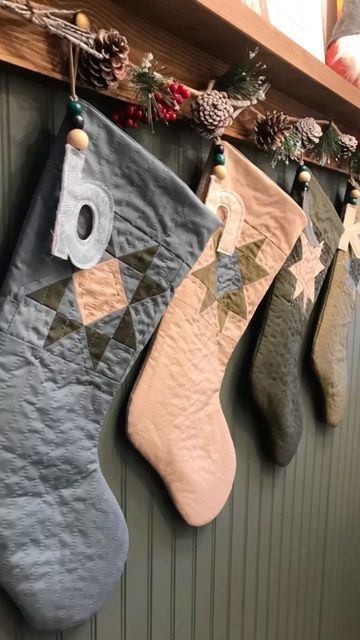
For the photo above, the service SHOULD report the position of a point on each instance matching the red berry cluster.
(167, 106)
(129, 116)
(179, 92)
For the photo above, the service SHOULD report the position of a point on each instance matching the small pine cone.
(271, 130)
(212, 112)
(309, 131)
(106, 72)
(347, 145)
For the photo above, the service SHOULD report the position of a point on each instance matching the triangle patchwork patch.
(97, 344)
(140, 260)
(148, 288)
(51, 295)
(125, 333)
(130, 279)
(61, 326)
(74, 348)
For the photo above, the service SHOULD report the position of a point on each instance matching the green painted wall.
(282, 561)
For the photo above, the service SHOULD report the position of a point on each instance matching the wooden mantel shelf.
(226, 29)
(196, 40)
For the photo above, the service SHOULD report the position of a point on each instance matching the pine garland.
(332, 144)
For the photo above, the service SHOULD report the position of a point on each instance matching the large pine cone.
(212, 112)
(309, 131)
(106, 72)
(347, 145)
(271, 130)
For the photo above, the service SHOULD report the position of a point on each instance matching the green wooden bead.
(303, 167)
(74, 108)
(219, 158)
(353, 201)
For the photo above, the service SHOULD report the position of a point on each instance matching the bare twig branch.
(54, 21)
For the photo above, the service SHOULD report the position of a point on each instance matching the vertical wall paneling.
(282, 560)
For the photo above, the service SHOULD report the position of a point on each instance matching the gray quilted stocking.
(276, 367)
(67, 339)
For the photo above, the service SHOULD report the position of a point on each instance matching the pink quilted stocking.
(175, 418)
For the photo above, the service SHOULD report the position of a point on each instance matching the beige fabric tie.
(235, 211)
(351, 235)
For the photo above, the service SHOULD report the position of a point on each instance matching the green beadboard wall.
(282, 561)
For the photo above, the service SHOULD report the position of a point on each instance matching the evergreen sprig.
(290, 149)
(355, 163)
(148, 80)
(328, 147)
(244, 81)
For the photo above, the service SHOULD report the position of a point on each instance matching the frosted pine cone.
(347, 145)
(271, 130)
(106, 72)
(310, 132)
(212, 112)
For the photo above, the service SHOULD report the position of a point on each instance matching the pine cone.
(211, 111)
(347, 145)
(309, 131)
(106, 72)
(271, 130)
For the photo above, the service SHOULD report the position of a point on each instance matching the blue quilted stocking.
(68, 337)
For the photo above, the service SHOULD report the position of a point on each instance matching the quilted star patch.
(306, 269)
(96, 303)
(226, 277)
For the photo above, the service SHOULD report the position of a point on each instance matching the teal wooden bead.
(219, 158)
(303, 167)
(353, 201)
(74, 108)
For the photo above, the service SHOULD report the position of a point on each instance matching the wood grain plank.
(346, 512)
(252, 541)
(353, 524)
(296, 534)
(287, 566)
(263, 551)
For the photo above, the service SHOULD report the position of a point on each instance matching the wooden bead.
(219, 148)
(355, 193)
(82, 21)
(353, 201)
(220, 171)
(78, 139)
(76, 122)
(304, 176)
(219, 158)
(74, 108)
